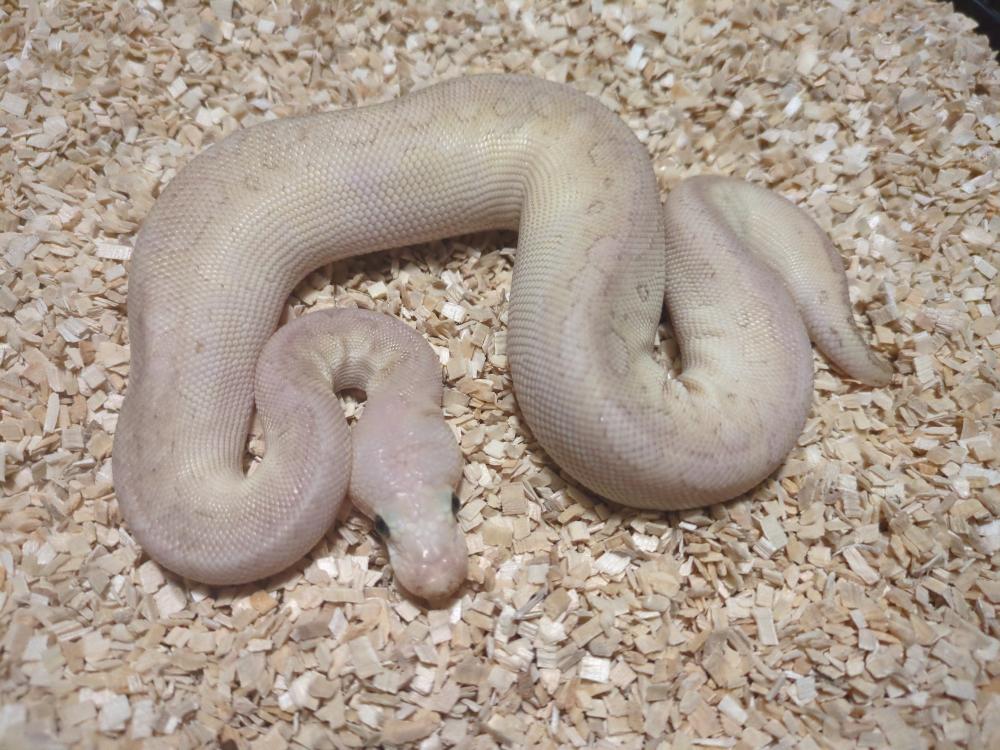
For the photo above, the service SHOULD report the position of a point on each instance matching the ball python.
(747, 279)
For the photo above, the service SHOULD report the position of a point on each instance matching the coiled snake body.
(743, 272)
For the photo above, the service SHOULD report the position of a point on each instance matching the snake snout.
(433, 574)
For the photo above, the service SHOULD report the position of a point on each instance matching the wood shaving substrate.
(850, 602)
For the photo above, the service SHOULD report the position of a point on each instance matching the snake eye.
(381, 527)
(456, 504)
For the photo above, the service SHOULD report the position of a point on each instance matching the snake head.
(426, 545)
(406, 463)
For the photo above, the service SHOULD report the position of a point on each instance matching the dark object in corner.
(987, 14)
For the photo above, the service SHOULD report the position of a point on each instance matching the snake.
(746, 279)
